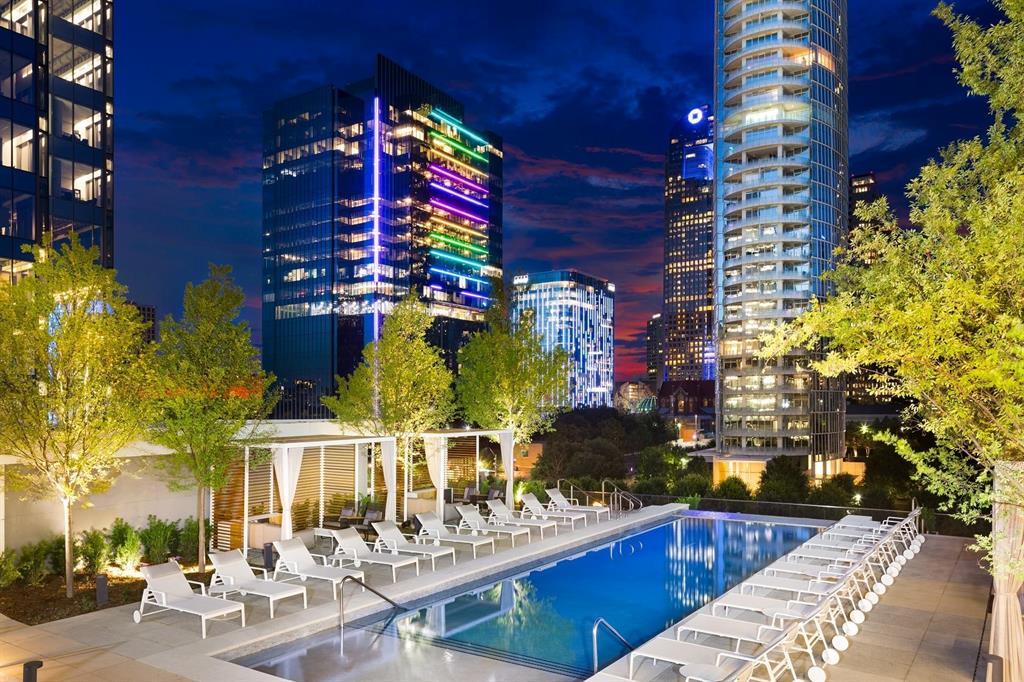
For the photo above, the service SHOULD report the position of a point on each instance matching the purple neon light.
(472, 295)
(458, 195)
(452, 209)
(457, 178)
(376, 213)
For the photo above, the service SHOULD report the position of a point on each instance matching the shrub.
(650, 486)
(119, 531)
(129, 553)
(692, 500)
(847, 482)
(55, 554)
(698, 465)
(875, 497)
(732, 488)
(783, 479)
(188, 539)
(33, 562)
(95, 550)
(830, 493)
(8, 569)
(692, 485)
(535, 487)
(158, 537)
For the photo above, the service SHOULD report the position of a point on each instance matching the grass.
(37, 604)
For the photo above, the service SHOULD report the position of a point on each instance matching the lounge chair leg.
(394, 574)
(417, 567)
(243, 612)
(334, 586)
(271, 613)
(305, 599)
(203, 619)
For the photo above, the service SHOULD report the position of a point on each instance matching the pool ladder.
(341, 606)
(608, 626)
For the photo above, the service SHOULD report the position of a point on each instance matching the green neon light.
(459, 146)
(445, 118)
(457, 242)
(456, 259)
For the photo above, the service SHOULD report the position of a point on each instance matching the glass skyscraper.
(369, 192)
(576, 312)
(782, 207)
(56, 132)
(688, 308)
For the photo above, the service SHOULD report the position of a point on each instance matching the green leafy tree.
(831, 493)
(72, 379)
(211, 391)
(402, 387)
(783, 479)
(506, 378)
(731, 488)
(939, 310)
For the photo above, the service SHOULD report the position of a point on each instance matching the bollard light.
(101, 589)
(29, 671)
(268, 556)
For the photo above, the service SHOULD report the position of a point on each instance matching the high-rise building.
(864, 189)
(576, 312)
(655, 346)
(370, 192)
(781, 149)
(57, 87)
(688, 306)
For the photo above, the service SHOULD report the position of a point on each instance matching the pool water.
(641, 584)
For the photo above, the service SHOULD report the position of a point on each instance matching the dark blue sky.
(583, 95)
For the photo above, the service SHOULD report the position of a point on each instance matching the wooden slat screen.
(227, 502)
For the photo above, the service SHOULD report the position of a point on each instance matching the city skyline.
(582, 190)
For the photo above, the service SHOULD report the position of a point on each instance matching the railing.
(608, 626)
(341, 607)
(617, 496)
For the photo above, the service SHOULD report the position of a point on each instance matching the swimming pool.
(543, 618)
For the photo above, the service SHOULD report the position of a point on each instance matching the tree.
(211, 391)
(506, 378)
(834, 492)
(402, 387)
(938, 309)
(783, 479)
(71, 380)
(731, 488)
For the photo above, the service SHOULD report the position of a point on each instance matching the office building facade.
(655, 350)
(56, 131)
(370, 192)
(688, 308)
(781, 150)
(864, 189)
(574, 311)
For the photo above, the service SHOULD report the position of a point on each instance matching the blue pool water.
(543, 618)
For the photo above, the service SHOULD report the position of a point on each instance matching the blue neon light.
(459, 275)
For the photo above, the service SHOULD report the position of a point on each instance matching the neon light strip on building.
(459, 275)
(376, 213)
(454, 123)
(472, 295)
(455, 226)
(452, 241)
(456, 259)
(454, 211)
(457, 145)
(448, 157)
(455, 177)
(459, 195)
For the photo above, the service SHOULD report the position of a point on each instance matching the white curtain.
(508, 463)
(388, 459)
(1007, 639)
(436, 449)
(287, 463)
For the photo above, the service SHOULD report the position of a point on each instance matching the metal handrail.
(608, 626)
(620, 495)
(341, 606)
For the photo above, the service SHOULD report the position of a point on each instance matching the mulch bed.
(36, 604)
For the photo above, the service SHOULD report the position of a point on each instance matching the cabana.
(436, 445)
(302, 480)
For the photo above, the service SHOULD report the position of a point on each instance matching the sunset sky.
(583, 94)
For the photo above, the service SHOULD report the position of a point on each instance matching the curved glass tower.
(781, 210)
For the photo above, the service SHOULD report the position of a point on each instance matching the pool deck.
(107, 645)
(928, 627)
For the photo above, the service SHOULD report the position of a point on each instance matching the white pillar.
(389, 459)
(245, 503)
(477, 469)
(508, 462)
(3, 508)
(321, 522)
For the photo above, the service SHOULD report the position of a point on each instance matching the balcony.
(734, 152)
(793, 65)
(734, 172)
(791, 29)
(788, 8)
(735, 60)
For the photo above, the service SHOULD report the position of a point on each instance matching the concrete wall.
(136, 493)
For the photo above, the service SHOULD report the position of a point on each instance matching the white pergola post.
(3, 508)
(287, 467)
(321, 522)
(477, 465)
(389, 462)
(435, 448)
(245, 503)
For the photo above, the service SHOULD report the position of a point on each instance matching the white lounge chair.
(391, 539)
(295, 559)
(432, 527)
(502, 514)
(475, 523)
(348, 546)
(701, 663)
(737, 631)
(169, 590)
(232, 573)
(533, 507)
(560, 502)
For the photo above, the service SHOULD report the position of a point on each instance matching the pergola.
(286, 458)
(435, 446)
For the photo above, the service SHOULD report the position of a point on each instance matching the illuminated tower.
(689, 242)
(782, 207)
(370, 192)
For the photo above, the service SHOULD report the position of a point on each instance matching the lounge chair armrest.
(262, 570)
(454, 529)
(157, 596)
(573, 500)
(219, 579)
(426, 532)
(729, 654)
(382, 543)
(202, 587)
(322, 557)
(286, 566)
